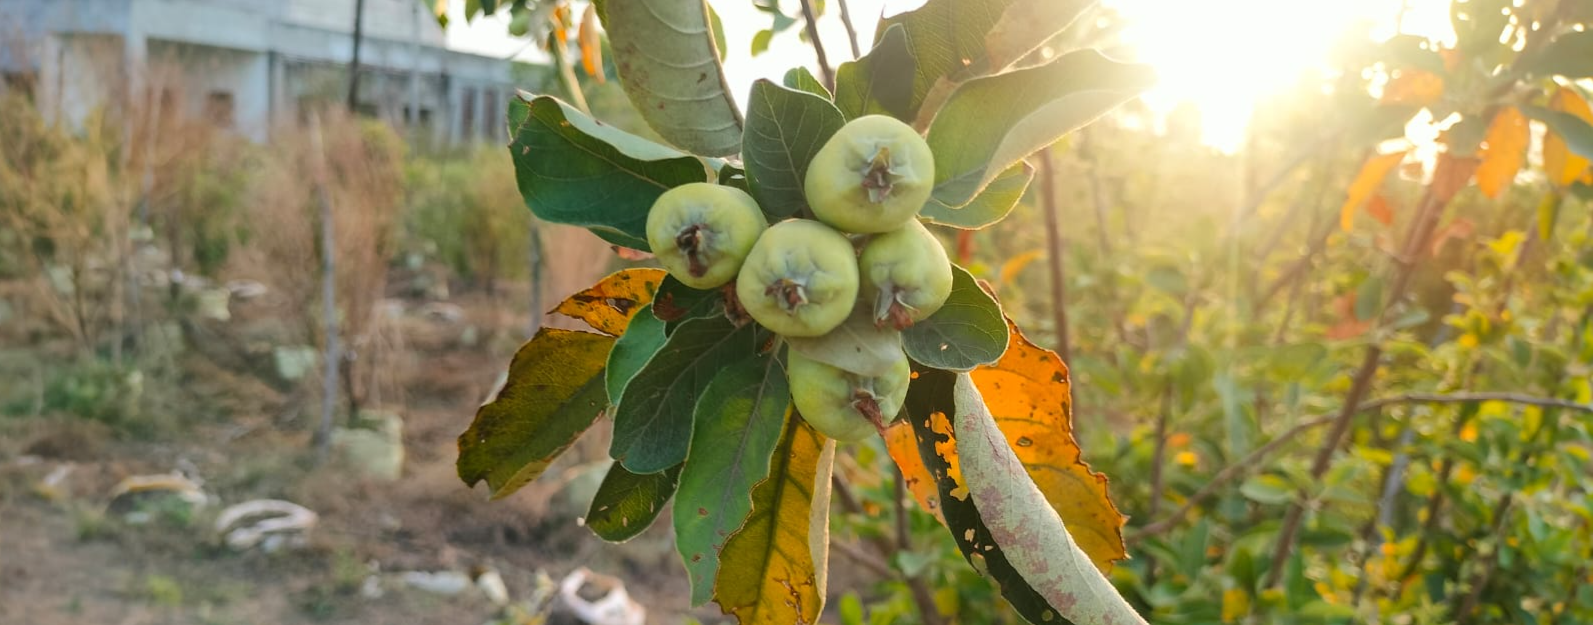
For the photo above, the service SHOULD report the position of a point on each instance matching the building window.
(219, 108)
(489, 118)
(467, 113)
(425, 116)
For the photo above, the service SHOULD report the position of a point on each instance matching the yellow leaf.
(1010, 269)
(609, 305)
(1365, 184)
(1235, 604)
(1504, 151)
(1186, 458)
(591, 44)
(1028, 392)
(1559, 163)
(561, 25)
(769, 570)
(1413, 87)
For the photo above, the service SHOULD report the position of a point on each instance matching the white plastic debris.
(132, 498)
(275, 524)
(615, 608)
(246, 289)
(491, 585)
(440, 582)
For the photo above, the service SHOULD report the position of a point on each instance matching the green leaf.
(955, 40)
(880, 82)
(676, 303)
(738, 424)
(772, 570)
(785, 128)
(1267, 489)
(857, 345)
(966, 332)
(718, 26)
(932, 394)
(1369, 298)
(652, 425)
(1569, 55)
(668, 64)
(990, 206)
(1548, 214)
(627, 503)
(989, 124)
(573, 170)
(553, 394)
(801, 79)
(732, 176)
(760, 41)
(1167, 279)
(642, 338)
(1578, 134)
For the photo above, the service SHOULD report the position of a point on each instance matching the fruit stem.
(691, 242)
(877, 176)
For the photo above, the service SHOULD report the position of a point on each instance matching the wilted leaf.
(1365, 184)
(989, 124)
(990, 206)
(1569, 142)
(675, 302)
(1504, 153)
(880, 82)
(609, 305)
(1014, 265)
(1460, 228)
(1039, 545)
(785, 128)
(573, 170)
(857, 345)
(652, 425)
(738, 424)
(668, 63)
(1413, 87)
(903, 448)
(966, 332)
(1380, 210)
(591, 45)
(627, 503)
(553, 394)
(772, 570)
(642, 338)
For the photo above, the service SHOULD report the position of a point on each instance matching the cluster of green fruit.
(803, 278)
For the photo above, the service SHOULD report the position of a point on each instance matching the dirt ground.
(65, 559)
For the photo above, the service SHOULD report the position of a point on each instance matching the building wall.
(385, 19)
(202, 77)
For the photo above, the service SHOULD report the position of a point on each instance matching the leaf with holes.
(652, 425)
(554, 392)
(738, 424)
(989, 124)
(609, 305)
(626, 504)
(966, 332)
(772, 570)
(574, 170)
(785, 128)
(669, 66)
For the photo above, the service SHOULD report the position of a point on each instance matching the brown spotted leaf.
(609, 304)
(772, 570)
(554, 392)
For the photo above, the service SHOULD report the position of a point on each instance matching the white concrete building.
(250, 65)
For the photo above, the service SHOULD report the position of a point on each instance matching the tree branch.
(818, 46)
(851, 31)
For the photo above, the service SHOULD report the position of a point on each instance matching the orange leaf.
(903, 448)
(628, 253)
(1380, 210)
(1503, 152)
(1461, 228)
(1365, 184)
(609, 305)
(591, 44)
(1028, 393)
(1349, 326)
(1559, 163)
(1450, 175)
(1413, 87)
(561, 25)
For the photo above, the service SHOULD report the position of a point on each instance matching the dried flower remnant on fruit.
(701, 232)
(800, 279)
(843, 405)
(906, 274)
(873, 175)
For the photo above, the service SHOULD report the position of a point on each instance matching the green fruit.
(906, 275)
(701, 232)
(800, 279)
(846, 406)
(873, 175)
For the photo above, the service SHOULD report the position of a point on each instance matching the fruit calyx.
(693, 242)
(878, 179)
(789, 293)
(890, 310)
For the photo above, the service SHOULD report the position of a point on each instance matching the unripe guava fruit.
(906, 275)
(873, 175)
(846, 406)
(700, 232)
(800, 279)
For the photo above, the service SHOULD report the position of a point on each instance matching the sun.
(1225, 56)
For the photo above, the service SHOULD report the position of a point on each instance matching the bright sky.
(1222, 56)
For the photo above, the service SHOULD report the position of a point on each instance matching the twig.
(818, 46)
(323, 432)
(1501, 511)
(921, 595)
(864, 558)
(1053, 239)
(1157, 457)
(851, 32)
(1253, 460)
(1097, 193)
(927, 611)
